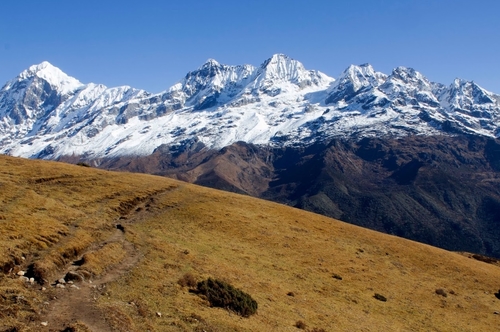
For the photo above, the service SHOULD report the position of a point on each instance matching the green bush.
(223, 295)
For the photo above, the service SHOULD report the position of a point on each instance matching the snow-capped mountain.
(46, 114)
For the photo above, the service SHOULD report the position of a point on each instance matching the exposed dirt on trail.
(76, 302)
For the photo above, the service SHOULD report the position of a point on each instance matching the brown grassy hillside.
(56, 218)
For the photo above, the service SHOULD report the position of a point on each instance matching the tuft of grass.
(96, 262)
(62, 255)
(118, 318)
(187, 280)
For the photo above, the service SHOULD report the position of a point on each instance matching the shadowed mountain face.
(444, 191)
(438, 191)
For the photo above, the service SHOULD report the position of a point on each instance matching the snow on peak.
(210, 63)
(278, 103)
(361, 76)
(353, 81)
(464, 94)
(53, 75)
(404, 79)
(407, 74)
(282, 67)
(212, 77)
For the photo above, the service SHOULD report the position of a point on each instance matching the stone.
(158, 314)
(21, 273)
(72, 276)
(44, 323)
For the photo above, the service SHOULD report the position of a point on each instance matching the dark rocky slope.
(444, 191)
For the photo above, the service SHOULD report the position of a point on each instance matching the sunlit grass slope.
(297, 265)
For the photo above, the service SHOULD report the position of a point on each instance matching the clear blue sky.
(153, 44)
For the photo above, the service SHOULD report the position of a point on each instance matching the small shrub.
(83, 164)
(187, 280)
(300, 325)
(223, 295)
(142, 308)
(441, 292)
(380, 297)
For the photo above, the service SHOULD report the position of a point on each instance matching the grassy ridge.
(290, 261)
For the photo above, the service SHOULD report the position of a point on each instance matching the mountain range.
(395, 153)
(44, 113)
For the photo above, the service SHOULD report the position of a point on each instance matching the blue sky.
(153, 44)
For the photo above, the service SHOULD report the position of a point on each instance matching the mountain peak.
(463, 94)
(356, 77)
(211, 63)
(53, 75)
(360, 75)
(41, 66)
(280, 56)
(407, 74)
(279, 59)
(281, 67)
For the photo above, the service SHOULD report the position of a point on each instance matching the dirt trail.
(77, 302)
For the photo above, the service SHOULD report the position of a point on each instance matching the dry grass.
(268, 250)
(265, 249)
(98, 261)
(50, 213)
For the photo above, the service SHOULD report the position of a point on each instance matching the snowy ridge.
(46, 114)
(53, 75)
